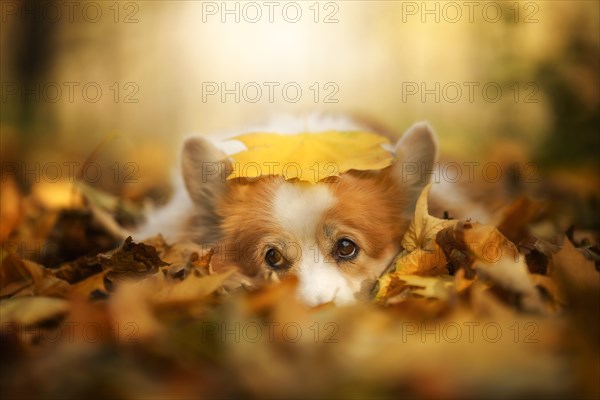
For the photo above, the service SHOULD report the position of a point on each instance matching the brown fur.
(370, 207)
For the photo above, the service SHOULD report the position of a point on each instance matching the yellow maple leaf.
(421, 255)
(309, 157)
(423, 228)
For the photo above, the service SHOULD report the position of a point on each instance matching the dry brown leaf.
(93, 285)
(515, 219)
(132, 261)
(131, 305)
(133, 257)
(45, 283)
(578, 278)
(552, 294)
(75, 233)
(11, 211)
(24, 277)
(485, 305)
(28, 311)
(13, 276)
(573, 270)
(189, 290)
(78, 270)
(498, 260)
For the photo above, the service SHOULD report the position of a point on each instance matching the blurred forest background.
(153, 62)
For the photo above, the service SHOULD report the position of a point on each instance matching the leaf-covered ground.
(468, 310)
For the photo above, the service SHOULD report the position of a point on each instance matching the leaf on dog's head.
(309, 157)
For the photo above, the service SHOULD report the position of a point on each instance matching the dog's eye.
(275, 260)
(346, 249)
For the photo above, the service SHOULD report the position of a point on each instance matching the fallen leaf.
(131, 305)
(515, 220)
(131, 261)
(422, 262)
(96, 283)
(309, 157)
(554, 297)
(191, 289)
(396, 287)
(13, 276)
(31, 310)
(494, 257)
(12, 211)
(24, 277)
(78, 270)
(421, 233)
(579, 280)
(75, 233)
(421, 255)
(513, 276)
(439, 287)
(573, 271)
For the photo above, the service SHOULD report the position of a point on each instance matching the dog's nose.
(310, 297)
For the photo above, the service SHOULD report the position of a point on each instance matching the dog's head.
(336, 236)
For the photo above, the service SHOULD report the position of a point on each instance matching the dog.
(336, 236)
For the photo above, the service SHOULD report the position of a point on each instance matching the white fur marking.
(299, 209)
(300, 206)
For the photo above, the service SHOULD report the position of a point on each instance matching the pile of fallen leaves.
(467, 310)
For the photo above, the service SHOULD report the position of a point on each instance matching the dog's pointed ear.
(416, 154)
(205, 169)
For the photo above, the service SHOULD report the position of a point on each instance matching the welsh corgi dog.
(336, 236)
